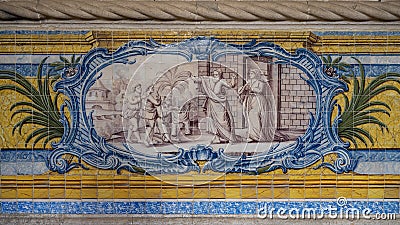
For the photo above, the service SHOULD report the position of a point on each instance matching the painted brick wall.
(296, 98)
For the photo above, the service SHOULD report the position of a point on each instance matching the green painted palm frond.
(337, 64)
(65, 63)
(361, 109)
(40, 108)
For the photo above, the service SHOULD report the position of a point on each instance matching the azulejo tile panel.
(216, 122)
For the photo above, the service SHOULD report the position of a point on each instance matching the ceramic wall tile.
(211, 123)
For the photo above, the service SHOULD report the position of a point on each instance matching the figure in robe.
(258, 108)
(221, 122)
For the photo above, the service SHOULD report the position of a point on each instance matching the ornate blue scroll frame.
(80, 138)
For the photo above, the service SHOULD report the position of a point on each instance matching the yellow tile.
(105, 193)
(376, 193)
(265, 193)
(54, 193)
(281, 192)
(313, 192)
(344, 192)
(9, 193)
(297, 193)
(391, 193)
(233, 192)
(138, 193)
(217, 192)
(169, 192)
(185, 192)
(249, 192)
(73, 193)
(153, 192)
(88, 193)
(328, 192)
(121, 193)
(203, 192)
(24, 193)
(360, 193)
(43, 193)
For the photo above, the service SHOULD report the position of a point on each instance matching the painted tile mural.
(220, 122)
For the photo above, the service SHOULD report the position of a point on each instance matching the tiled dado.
(83, 143)
(126, 186)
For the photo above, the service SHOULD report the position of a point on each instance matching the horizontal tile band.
(195, 207)
(39, 155)
(80, 42)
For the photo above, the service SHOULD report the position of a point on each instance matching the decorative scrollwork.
(82, 140)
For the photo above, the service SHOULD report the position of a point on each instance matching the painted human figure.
(152, 116)
(258, 109)
(218, 109)
(119, 99)
(184, 117)
(192, 93)
(131, 112)
(181, 95)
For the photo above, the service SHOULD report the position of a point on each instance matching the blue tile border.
(48, 32)
(28, 155)
(225, 207)
(356, 33)
(38, 155)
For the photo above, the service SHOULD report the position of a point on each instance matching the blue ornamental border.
(257, 208)
(80, 138)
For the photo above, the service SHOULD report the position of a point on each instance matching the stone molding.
(200, 11)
